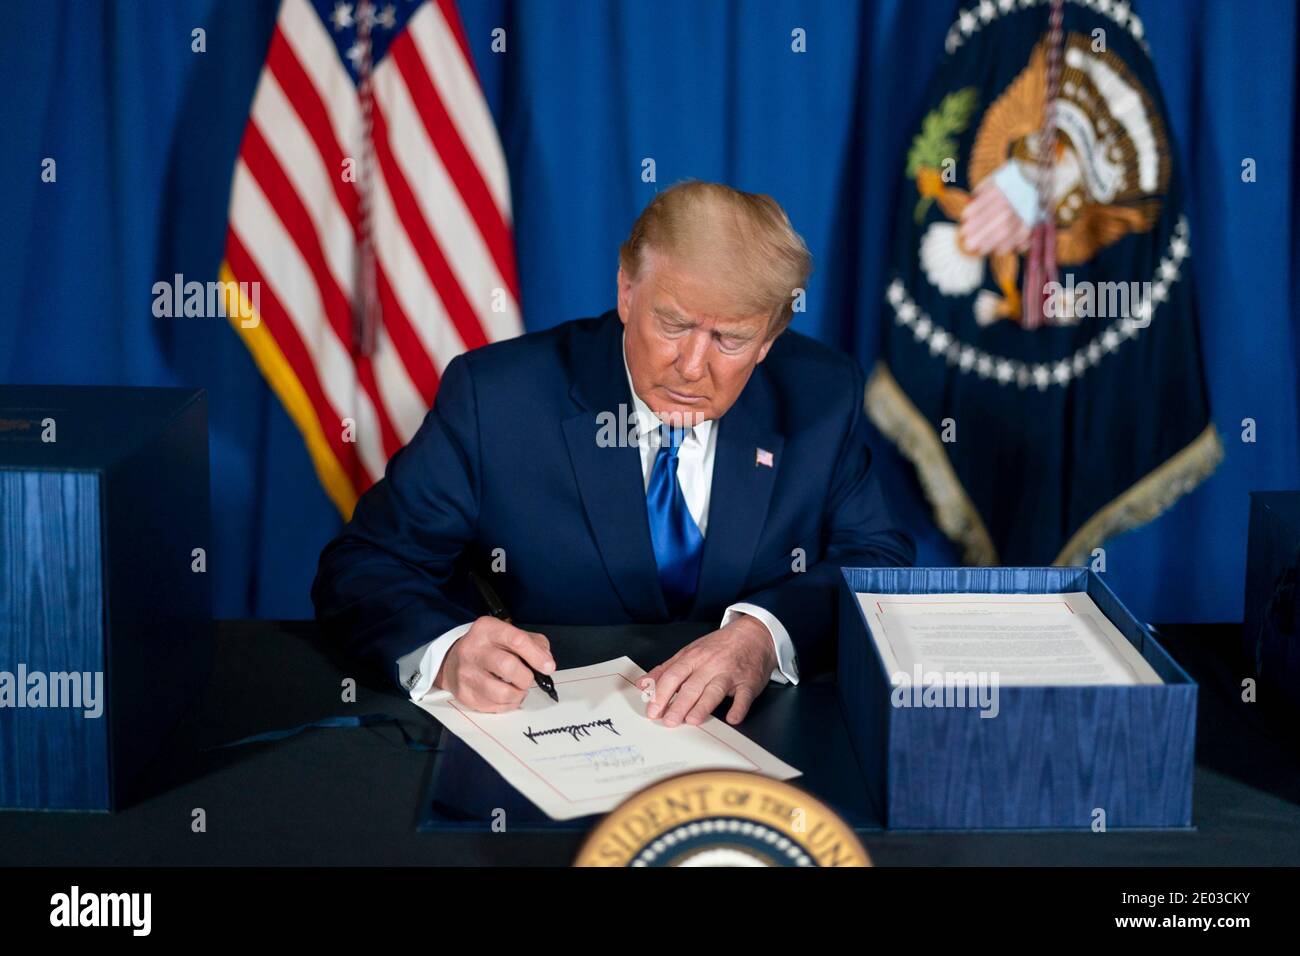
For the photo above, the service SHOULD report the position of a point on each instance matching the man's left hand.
(735, 661)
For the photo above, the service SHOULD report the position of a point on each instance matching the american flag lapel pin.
(763, 457)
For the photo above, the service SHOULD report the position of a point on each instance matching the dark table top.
(355, 796)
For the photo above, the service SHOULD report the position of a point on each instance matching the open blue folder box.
(1069, 757)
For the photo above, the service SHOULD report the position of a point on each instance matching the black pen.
(498, 610)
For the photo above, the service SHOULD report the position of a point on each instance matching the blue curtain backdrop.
(145, 132)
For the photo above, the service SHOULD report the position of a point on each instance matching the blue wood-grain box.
(1053, 757)
(104, 497)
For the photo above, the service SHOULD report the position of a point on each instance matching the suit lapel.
(612, 487)
(741, 492)
(609, 475)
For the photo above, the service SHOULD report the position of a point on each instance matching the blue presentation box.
(105, 602)
(1074, 757)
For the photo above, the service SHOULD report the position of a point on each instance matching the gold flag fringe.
(899, 420)
(1149, 497)
(894, 414)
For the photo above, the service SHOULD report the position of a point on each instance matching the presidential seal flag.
(1041, 365)
(370, 209)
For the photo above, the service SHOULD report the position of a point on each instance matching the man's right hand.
(486, 670)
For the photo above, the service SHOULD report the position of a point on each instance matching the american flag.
(371, 205)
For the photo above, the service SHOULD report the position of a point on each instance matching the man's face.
(689, 355)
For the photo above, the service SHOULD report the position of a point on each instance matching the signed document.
(596, 747)
(1022, 639)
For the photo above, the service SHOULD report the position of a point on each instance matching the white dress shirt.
(418, 669)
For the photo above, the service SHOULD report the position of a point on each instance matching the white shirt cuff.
(419, 669)
(787, 667)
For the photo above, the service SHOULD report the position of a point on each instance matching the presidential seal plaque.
(722, 818)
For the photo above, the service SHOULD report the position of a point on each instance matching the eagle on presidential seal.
(1109, 172)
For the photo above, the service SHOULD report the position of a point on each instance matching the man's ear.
(624, 296)
(765, 348)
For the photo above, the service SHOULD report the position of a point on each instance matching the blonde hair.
(744, 239)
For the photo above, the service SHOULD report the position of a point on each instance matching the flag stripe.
(455, 232)
(410, 283)
(451, 18)
(284, 382)
(444, 281)
(295, 353)
(314, 50)
(453, 74)
(297, 223)
(405, 341)
(405, 398)
(467, 177)
(425, 186)
(327, 243)
(289, 73)
(283, 272)
(293, 217)
(387, 434)
(294, 151)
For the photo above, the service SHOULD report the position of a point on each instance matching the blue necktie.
(677, 540)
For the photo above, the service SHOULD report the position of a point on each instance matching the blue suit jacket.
(509, 458)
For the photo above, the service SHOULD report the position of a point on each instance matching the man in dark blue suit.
(683, 457)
